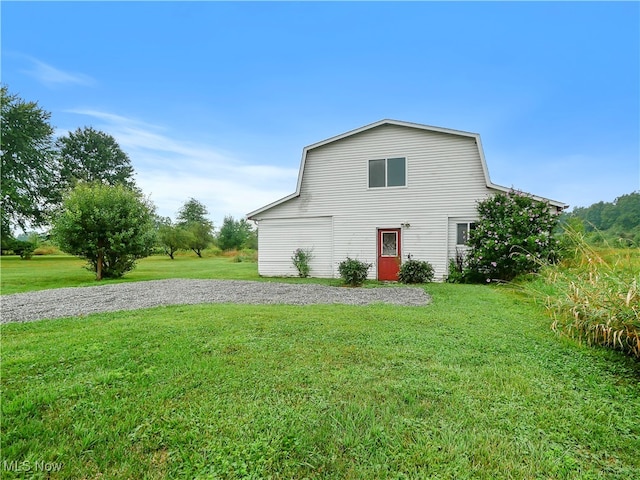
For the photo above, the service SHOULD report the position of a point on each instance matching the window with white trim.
(462, 233)
(388, 172)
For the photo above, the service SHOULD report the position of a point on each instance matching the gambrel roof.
(379, 123)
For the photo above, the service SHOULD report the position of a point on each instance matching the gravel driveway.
(68, 302)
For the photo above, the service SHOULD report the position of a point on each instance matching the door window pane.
(376, 173)
(396, 172)
(389, 244)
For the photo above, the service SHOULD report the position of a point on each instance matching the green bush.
(513, 236)
(415, 271)
(301, 259)
(111, 226)
(354, 272)
(22, 248)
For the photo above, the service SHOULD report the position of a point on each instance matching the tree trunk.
(99, 266)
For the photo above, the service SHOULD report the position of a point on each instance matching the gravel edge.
(79, 301)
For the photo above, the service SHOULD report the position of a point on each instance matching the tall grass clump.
(593, 296)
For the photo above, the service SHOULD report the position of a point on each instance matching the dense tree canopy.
(623, 213)
(110, 226)
(193, 211)
(234, 233)
(616, 222)
(192, 217)
(29, 169)
(93, 156)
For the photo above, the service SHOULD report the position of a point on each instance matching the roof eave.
(555, 203)
(250, 215)
(388, 121)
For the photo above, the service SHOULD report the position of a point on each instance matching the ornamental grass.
(593, 296)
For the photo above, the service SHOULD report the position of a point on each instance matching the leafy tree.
(6, 235)
(29, 173)
(110, 226)
(627, 212)
(623, 214)
(93, 156)
(252, 239)
(234, 233)
(513, 236)
(172, 237)
(616, 223)
(192, 217)
(193, 211)
(198, 236)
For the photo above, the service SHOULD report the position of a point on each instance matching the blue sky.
(216, 100)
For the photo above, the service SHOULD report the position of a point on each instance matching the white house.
(378, 193)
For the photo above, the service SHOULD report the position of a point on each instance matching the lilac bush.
(514, 235)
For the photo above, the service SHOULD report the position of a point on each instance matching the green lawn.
(57, 271)
(474, 385)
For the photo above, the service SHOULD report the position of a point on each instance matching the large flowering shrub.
(512, 236)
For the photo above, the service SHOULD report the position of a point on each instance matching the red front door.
(389, 255)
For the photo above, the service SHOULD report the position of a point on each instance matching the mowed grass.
(474, 385)
(44, 272)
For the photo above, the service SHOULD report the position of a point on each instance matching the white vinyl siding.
(446, 180)
(279, 238)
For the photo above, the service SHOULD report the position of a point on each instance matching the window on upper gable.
(388, 172)
(462, 237)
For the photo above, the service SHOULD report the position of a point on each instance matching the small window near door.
(388, 172)
(463, 229)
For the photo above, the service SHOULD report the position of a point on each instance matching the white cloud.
(51, 76)
(171, 171)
